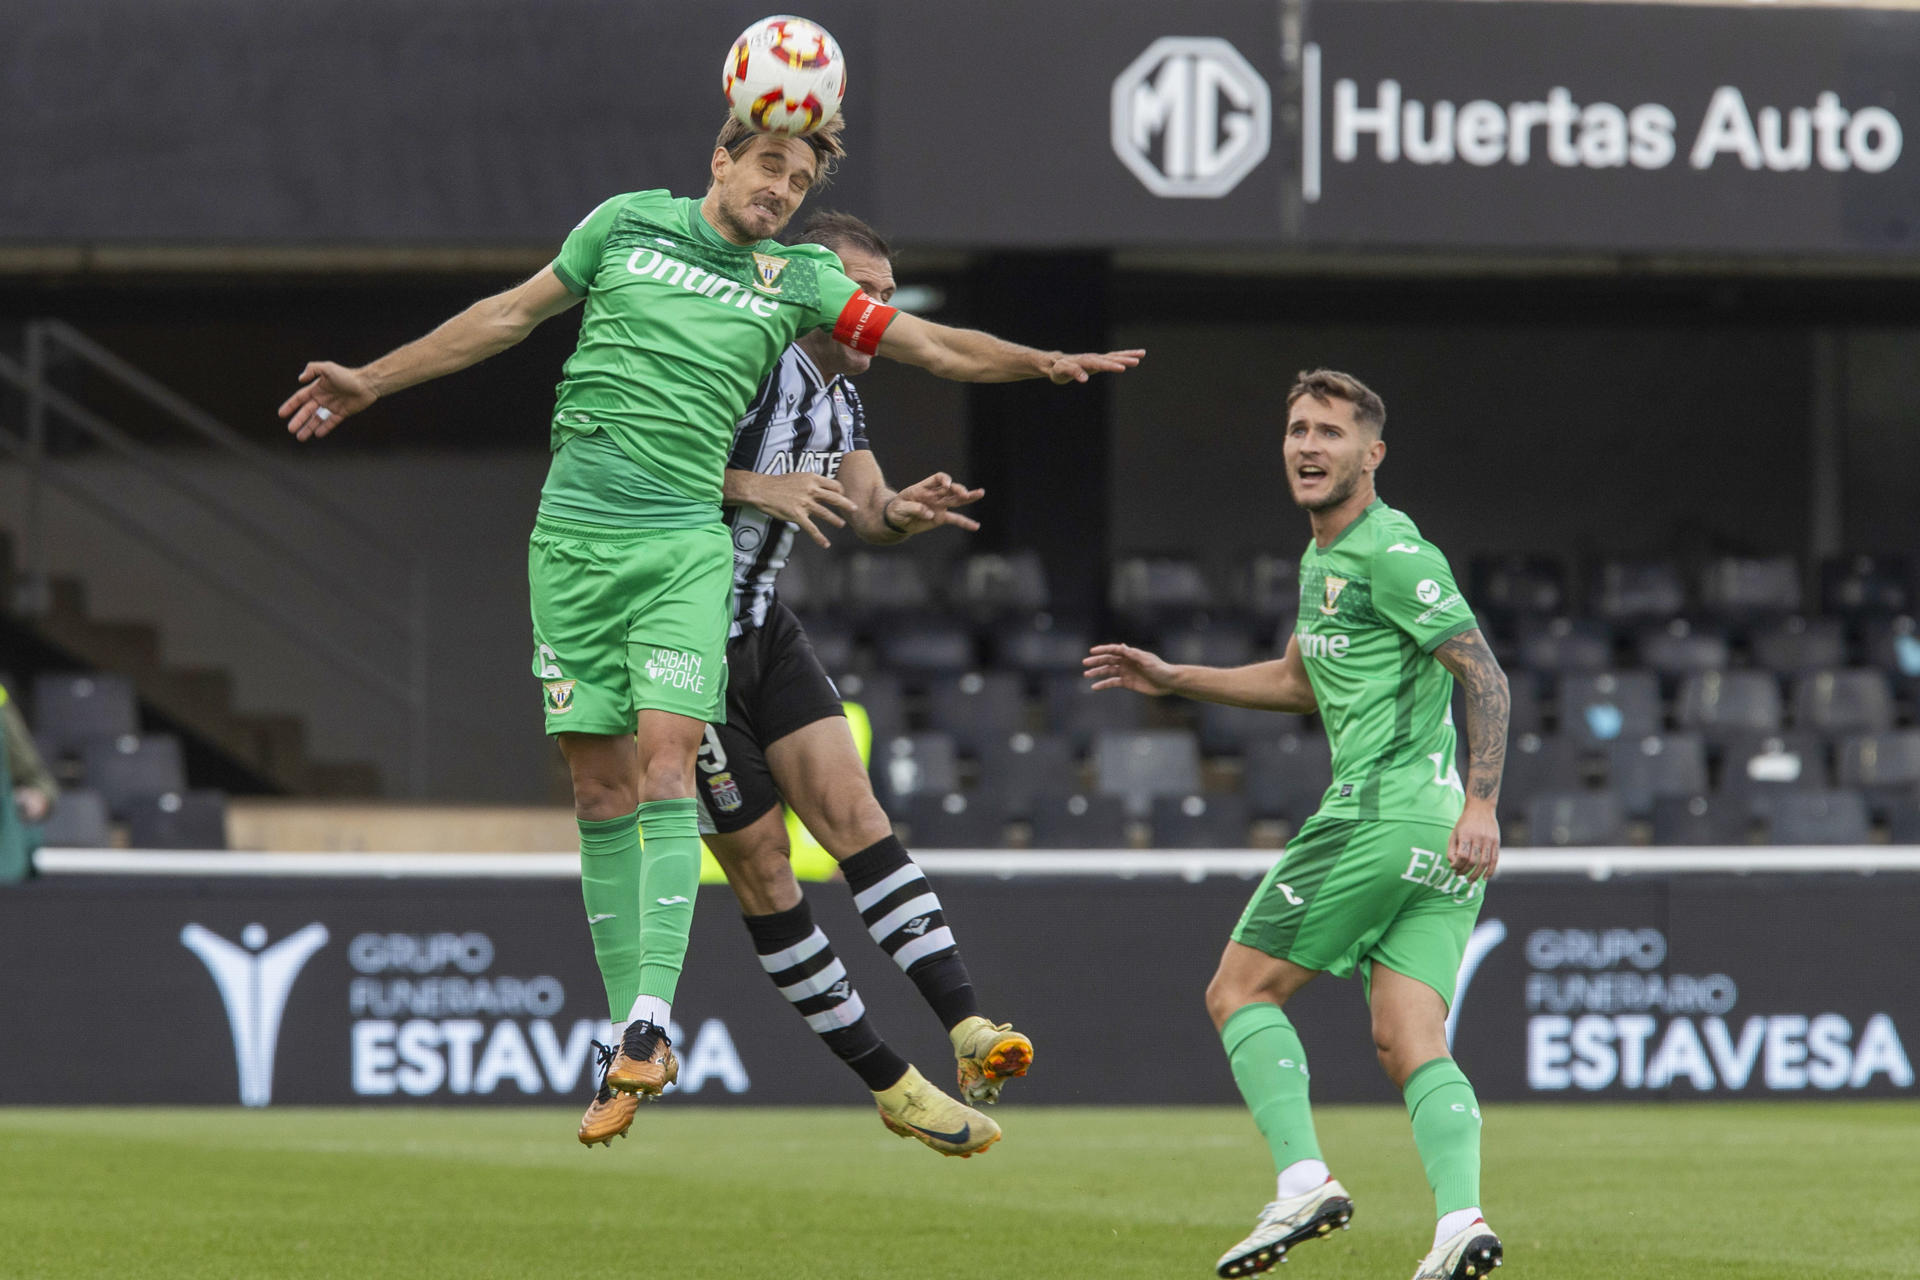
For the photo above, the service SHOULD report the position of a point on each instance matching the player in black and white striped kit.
(801, 459)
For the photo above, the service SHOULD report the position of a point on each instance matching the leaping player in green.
(1388, 876)
(689, 305)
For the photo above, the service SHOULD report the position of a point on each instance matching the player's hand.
(330, 392)
(930, 504)
(32, 804)
(1474, 849)
(1119, 666)
(800, 498)
(1067, 368)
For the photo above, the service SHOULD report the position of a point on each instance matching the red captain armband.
(861, 323)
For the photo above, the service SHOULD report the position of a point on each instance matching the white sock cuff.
(1301, 1177)
(655, 1010)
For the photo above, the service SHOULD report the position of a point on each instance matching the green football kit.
(1365, 880)
(630, 565)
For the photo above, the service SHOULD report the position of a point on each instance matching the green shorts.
(629, 619)
(1348, 891)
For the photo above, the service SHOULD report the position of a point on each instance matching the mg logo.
(1191, 117)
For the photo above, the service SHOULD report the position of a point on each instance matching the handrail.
(30, 376)
(214, 430)
(155, 539)
(1120, 864)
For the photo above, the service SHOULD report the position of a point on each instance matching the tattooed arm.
(1475, 848)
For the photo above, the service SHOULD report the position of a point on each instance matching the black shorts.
(774, 686)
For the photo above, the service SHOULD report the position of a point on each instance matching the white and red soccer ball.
(785, 76)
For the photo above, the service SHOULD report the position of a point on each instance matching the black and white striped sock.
(800, 960)
(903, 915)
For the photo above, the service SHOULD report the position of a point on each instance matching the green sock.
(610, 884)
(1446, 1128)
(1270, 1066)
(669, 877)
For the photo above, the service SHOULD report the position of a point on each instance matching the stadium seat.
(1016, 770)
(978, 708)
(1224, 645)
(70, 711)
(1041, 646)
(179, 820)
(994, 586)
(1680, 648)
(1226, 730)
(1835, 702)
(1077, 710)
(1156, 590)
(812, 582)
(1537, 764)
(1634, 590)
(1738, 588)
(1200, 822)
(879, 695)
(132, 768)
(1790, 646)
(1754, 767)
(1606, 706)
(1139, 766)
(1518, 586)
(1565, 644)
(925, 649)
(1079, 821)
(915, 764)
(1286, 777)
(1727, 702)
(1866, 585)
(1576, 818)
(79, 821)
(1882, 766)
(1267, 589)
(1892, 645)
(1903, 824)
(1643, 770)
(881, 584)
(951, 820)
(1699, 820)
(1818, 817)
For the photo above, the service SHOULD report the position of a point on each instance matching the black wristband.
(886, 507)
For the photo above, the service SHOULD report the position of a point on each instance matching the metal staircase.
(198, 699)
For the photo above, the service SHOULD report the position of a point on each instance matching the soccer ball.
(785, 76)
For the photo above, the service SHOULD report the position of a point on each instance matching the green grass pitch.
(1579, 1193)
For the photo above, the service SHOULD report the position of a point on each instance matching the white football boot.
(1466, 1255)
(1284, 1224)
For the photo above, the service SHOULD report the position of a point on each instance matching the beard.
(1340, 490)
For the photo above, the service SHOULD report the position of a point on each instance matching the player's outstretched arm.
(883, 515)
(968, 355)
(1279, 685)
(331, 392)
(798, 497)
(1475, 848)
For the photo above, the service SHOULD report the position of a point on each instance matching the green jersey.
(1374, 605)
(680, 329)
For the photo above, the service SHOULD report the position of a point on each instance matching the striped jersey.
(799, 421)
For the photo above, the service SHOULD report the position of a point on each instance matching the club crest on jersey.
(559, 696)
(766, 270)
(1332, 603)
